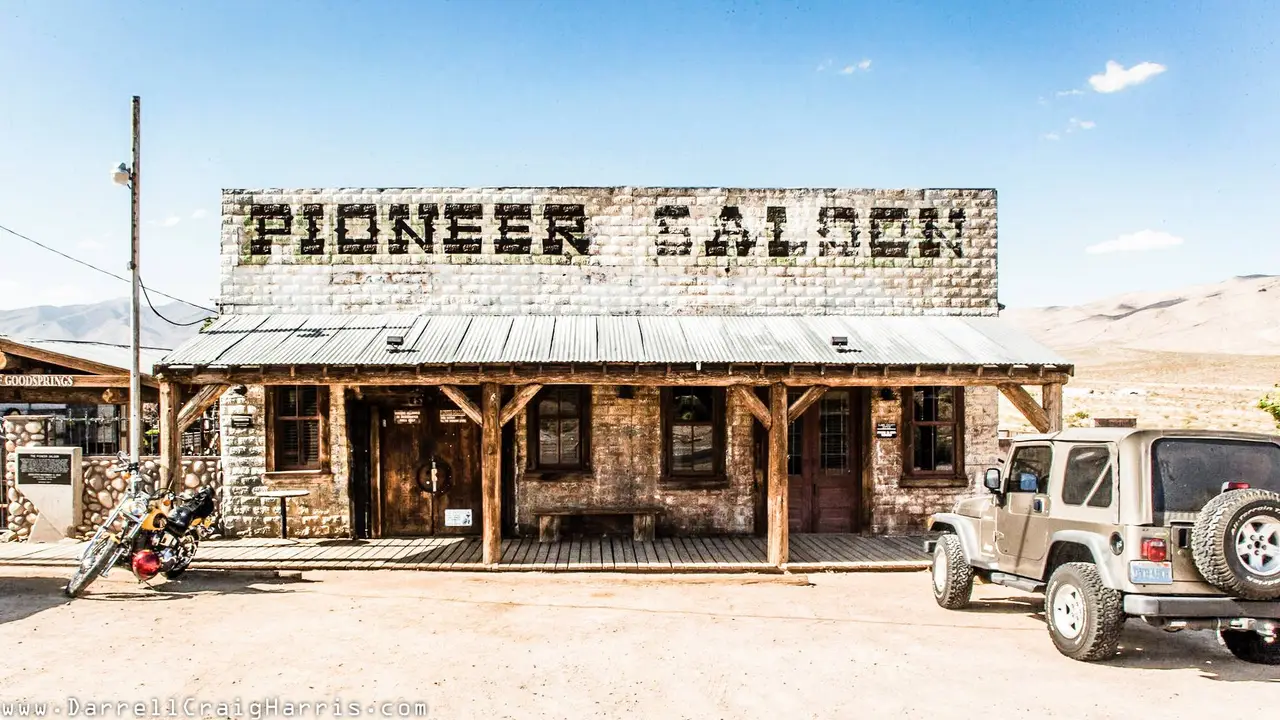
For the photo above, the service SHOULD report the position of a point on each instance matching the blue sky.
(758, 94)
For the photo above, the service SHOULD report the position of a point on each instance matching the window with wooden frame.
(560, 428)
(298, 424)
(693, 435)
(933, 436)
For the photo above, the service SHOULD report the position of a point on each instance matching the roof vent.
(394, 342)
(841, 344)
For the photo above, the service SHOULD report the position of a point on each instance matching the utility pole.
(135, 370)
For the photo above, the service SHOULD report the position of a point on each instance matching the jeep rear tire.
(951, 573)
(1251, 647)
(1084, 616)
(1236, 543)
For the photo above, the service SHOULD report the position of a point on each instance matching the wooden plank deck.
(809, 553)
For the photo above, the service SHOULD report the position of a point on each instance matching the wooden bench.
(643, 520)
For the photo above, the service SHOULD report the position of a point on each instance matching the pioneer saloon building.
(670, 361)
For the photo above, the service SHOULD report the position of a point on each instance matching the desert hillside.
(1198, 357)
(106, 321)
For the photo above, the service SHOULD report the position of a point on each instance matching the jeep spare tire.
(1236, 543)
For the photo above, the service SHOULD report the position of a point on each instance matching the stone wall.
(103, 486)
(324, 513)
(610, 250)
(898, 509)
(19, 432)
(626, 451)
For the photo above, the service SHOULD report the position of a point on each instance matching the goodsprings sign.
(36, 381)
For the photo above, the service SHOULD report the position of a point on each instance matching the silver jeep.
(1178, 527)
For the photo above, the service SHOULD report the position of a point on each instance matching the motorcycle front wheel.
(95, 560)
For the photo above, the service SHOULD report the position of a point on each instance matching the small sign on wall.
(886, 430)
(457, 518)
(408, 417)
(45, 468)
(241, 420)
(453, 417)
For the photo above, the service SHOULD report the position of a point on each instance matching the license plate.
(1144, 572)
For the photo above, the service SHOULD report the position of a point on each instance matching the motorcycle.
(159, 532)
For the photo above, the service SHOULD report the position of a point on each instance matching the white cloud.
(1117, 78)
(1065, 93)
(851, 69)
(824, 65)
(1136, 242)
(1073, 124)
(199, 214)
(1052, 136)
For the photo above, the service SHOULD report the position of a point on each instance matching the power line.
(98, 269)
(157, 312)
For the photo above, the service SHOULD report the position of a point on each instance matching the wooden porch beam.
(170, 436)
(459, 398)
(873, 377)
(1027, 405)
(490, 473)
(777, 480)
(1052, 394)
(518, 402)
(748, 398)
(204, 399)
(10, 362)
(805, 401)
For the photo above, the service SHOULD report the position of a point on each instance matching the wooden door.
(430, 466)
(825, 465)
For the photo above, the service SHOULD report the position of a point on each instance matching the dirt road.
(581, 646)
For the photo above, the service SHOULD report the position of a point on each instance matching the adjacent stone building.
(669, 361)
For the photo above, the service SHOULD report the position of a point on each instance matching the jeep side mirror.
(992, 479)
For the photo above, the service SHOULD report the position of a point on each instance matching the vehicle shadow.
(1015, 605)
(1143, 647)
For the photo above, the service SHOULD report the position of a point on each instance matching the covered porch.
(769, 371)
(808, 553)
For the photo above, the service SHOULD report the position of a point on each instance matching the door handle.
(999, 535)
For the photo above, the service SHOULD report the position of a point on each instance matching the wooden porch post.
(170, 436)
(490, 472)
(777, 476)
(1052, 399)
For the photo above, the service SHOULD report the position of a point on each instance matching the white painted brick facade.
(623, 270)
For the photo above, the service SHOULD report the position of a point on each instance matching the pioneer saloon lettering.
(563, 229)
(37, 381)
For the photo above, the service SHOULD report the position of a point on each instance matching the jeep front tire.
(1084, 616)
(952, 574)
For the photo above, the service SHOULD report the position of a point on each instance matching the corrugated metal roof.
(527, 339)
(109, 354)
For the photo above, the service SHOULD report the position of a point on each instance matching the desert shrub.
(1270, 403)
(1079, 418)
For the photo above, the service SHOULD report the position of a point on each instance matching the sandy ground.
(582, 646)
(1172, 390)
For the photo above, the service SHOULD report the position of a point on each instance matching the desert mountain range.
(1240, 316)
(106, 322)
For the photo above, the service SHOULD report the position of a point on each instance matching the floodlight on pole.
(121, 175)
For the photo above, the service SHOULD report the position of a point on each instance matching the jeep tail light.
(1155, 549)
(1235, 486)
